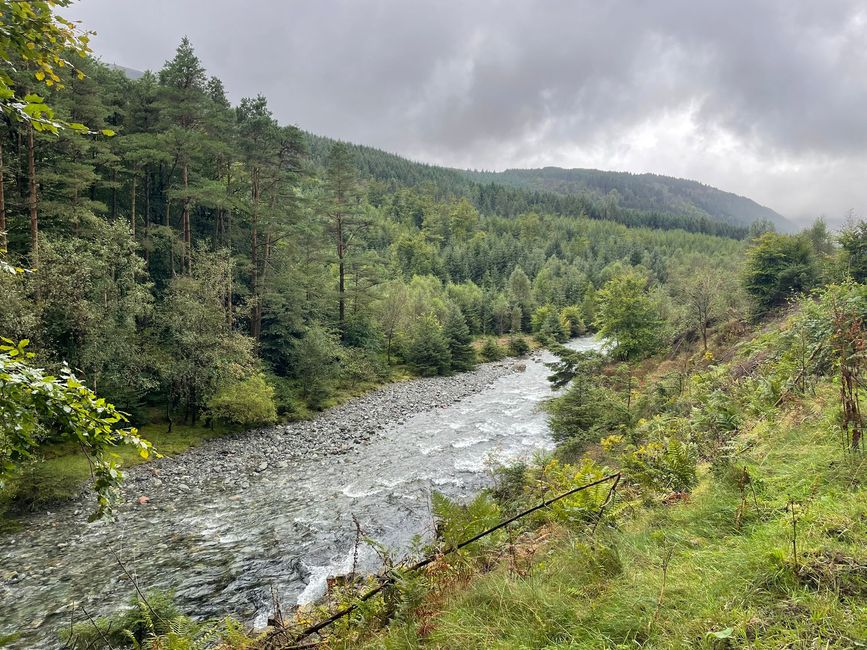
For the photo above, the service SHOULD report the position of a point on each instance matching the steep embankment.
(760, 545)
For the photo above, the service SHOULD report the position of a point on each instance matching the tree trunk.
(188, 240)
(3, 239)
(147, 221)
(341, 283)
(113, 194)
(254, 258)
(132, 208)
(32, 200)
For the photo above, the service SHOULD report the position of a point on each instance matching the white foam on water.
(428, 450)
(357, 493)
(474, 465)
(469, 442)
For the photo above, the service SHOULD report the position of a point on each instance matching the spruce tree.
(428, 352)
(457, 334)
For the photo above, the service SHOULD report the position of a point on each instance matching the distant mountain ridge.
(640, 191)
(636, 200)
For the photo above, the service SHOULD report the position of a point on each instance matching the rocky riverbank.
(234, 461)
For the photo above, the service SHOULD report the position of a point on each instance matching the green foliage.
(779, 267)
(548, 325)
(573, 321)
(627, 315)
(246, 403)
(153, 622)
(518, 346)
(428, 351)
(666, 459)
(571, 363)
(316, 357)
(35, 38)
(554, 477)
(39, 408)
(491, 350)
(460, 343)
(457, 522)
(853, 240)
(586, 411)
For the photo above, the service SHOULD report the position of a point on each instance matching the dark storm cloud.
(765, 98)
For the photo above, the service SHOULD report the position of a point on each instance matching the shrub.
(572, 321)
(315, 365)
(554, 477)
(585, 412)
(518, 346)
(777, 268)
(247, 403)
(491, 350)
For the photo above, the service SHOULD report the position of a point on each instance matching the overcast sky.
(764, 98)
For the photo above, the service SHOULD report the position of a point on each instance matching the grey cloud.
(495, 84)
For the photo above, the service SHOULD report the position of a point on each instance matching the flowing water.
(292, 528)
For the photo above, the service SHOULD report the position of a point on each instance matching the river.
(223, 553)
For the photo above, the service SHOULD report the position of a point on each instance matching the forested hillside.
(174, 262)
(644, 192)
(634, 200)
(187, 249)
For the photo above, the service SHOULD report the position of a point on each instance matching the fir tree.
(457, 333)
(428, 352)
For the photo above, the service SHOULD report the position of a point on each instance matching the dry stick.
(387, 580)
(665, 562)
(608, 500)
(135, 584)
(355, 547)
(96, 627)
(794, 536)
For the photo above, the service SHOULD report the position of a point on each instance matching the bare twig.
(665, 561)
(135, 585)
(97, 628)
(608, 499)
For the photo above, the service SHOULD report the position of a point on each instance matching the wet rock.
(143, 500)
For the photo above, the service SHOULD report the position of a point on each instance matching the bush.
(247, 403)
(491, 351)
(572, 321)
(586, 412)
(518, 346)
(779, 267)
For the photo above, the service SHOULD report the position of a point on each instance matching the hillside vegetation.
(645, 200)
(650, 192)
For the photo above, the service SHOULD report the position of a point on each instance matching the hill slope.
(647, 200)
(639, 191)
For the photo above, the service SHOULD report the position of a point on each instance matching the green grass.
(63, 471)
(727, 585)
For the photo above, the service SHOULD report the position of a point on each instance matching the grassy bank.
(715, 571)
(763, 549)
(63, 471)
